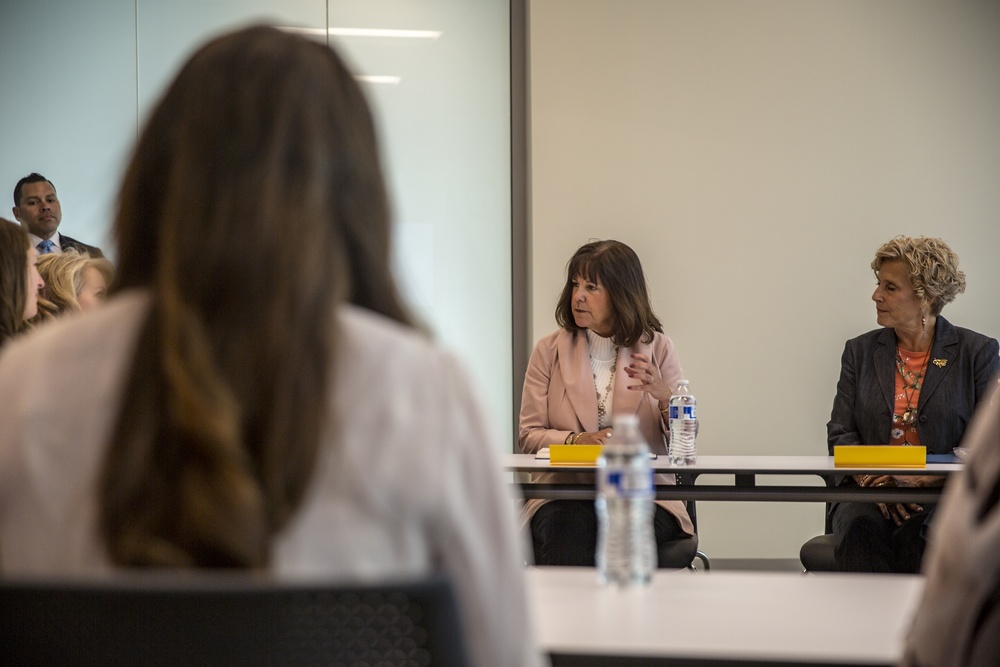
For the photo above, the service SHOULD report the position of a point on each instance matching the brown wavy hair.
(253, 205)
(616, 267)
(14, 244)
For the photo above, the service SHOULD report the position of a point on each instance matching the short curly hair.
(933, 268)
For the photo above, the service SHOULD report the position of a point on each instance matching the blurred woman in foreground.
(238, 412)
(19, 280)
(957, 623)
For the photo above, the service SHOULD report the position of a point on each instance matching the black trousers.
(868, 542)
(564, 532)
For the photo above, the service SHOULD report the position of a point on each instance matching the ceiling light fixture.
(365, 32)
(378, 78)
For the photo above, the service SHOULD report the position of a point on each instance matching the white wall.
(759, 149)
(755, 153)
(80, 77)
(67, 72)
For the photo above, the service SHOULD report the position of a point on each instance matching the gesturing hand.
(649, 378)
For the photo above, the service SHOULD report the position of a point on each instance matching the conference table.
(718, 619)
(741, 479)
(724, 618)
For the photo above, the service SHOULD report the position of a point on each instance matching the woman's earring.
(923, 323)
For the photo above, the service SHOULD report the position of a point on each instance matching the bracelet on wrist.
(570, 439)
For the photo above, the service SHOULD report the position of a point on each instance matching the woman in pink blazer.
(609, 357)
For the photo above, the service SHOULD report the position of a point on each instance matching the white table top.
(779, 616)
(759, 465)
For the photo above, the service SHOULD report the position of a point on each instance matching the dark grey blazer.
(960, 373)
(67, 243)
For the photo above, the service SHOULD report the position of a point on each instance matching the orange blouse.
(907, 397)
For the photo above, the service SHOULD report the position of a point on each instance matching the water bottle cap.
(683, 383)
(625, 419)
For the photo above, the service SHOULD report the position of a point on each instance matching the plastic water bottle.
(683, 426)
(626, 548)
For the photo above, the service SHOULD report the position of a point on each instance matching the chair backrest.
(682, 478)
(687, 479)
(199, 619)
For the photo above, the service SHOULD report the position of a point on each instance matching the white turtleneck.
(602, 361)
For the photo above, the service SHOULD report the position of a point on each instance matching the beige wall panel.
(755, 154)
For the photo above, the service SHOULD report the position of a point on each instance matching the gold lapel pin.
(940, 363)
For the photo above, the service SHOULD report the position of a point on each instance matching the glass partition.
(436, 73)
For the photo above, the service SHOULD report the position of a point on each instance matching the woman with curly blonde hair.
(73, 281)
(915, 381)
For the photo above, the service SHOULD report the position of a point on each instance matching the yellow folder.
(574, 454)
(882, 456)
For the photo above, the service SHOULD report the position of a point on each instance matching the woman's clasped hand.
(896, 512)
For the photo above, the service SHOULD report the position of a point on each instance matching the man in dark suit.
(37, 208)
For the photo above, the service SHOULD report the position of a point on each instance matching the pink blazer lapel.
(577, 376)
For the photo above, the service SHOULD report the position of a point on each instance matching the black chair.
(817, 555)
(203, 619)
(686, 550)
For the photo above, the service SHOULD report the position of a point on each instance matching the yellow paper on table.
(574, 454)
(882, 456)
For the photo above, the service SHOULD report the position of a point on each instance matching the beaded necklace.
(602, 401)
(912, 381)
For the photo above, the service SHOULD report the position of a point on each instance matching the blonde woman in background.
(73, 281)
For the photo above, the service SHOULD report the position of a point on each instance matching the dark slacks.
(564, 532)
(868, 542)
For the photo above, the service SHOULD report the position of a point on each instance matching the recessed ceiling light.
(378, 78)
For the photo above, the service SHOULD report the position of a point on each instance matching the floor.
(758, 564)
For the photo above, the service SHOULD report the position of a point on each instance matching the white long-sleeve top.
(409, 481)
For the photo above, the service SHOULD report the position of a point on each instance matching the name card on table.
(573, 455)
(880, 456)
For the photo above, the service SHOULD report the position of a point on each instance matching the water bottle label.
(682, 412)
(627, 484)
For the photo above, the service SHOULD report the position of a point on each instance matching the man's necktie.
(45, 247)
